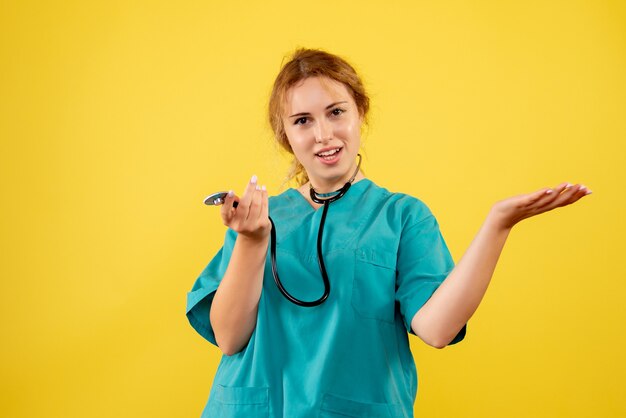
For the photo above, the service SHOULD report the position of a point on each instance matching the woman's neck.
(326, 188)
(329, 187)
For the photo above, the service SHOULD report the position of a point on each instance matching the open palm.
(514, 209)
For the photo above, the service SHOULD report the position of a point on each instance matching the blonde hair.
(305, 63)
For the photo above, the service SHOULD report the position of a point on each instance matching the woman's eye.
(337, 111)
(300, 121)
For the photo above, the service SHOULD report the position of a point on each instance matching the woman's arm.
(234, 309)
(458, 297)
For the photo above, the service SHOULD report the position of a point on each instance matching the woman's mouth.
(329, 156)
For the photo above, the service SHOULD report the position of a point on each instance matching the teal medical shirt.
(350, 356)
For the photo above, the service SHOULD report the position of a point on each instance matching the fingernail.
(588, 192)
(263, 188)
(253, 179)
(258, 187)
(568, 185)
(231, 193)
(582, 187)
(549, 191)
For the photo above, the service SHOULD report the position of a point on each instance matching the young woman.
(317, 326)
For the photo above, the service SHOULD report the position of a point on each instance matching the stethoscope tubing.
(218, 198)
(320, 257)
(320, 234)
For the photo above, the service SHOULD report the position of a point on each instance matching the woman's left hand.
(508, 212)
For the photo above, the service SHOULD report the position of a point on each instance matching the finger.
(227, 210)
(264, 205)
(570, 195)
(541, 194)
(549, 195)
(255, 204)
(244, 203)
(578, 192)
(587, 190)
(561, 187)
(226, 201)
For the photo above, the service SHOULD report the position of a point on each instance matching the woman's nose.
(323, 131)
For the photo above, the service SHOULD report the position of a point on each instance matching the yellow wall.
(117, 118)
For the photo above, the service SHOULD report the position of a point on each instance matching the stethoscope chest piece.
(215, 199)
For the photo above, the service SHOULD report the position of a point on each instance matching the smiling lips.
(329, 155)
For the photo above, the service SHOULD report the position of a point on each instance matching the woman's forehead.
(313, 92)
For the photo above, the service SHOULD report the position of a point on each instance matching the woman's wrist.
(253, 242)
(498, 221)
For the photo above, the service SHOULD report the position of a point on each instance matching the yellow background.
(117, 118)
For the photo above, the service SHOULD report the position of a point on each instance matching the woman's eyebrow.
(327, 107)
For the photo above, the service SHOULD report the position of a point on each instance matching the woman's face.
(323, 126)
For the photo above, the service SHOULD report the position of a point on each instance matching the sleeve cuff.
(198, 311)
(416, 303)
(460, 336)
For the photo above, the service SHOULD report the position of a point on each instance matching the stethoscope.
(321, 198)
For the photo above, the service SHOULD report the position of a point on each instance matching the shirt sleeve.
(200, 298)
(424, 262)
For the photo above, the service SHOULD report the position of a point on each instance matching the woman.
(388, 268)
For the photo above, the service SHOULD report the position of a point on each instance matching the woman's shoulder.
(403, 205)
(285, 198)
(367, 197)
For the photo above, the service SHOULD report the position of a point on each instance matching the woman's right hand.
(235, 304)
(250, 218)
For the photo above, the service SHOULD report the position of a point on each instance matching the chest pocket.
(337, 407)
(238, 402)
(374, 287)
